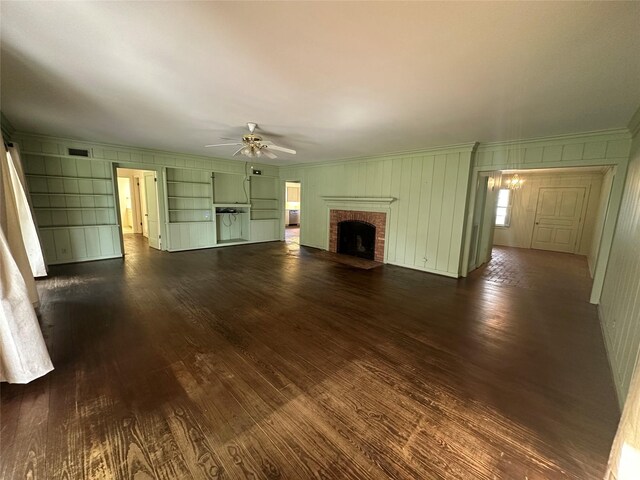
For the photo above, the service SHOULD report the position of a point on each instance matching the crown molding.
(634, 123)
(149, 151)
(334, 199)
(610, 134)
(7, 127)
(442, 150)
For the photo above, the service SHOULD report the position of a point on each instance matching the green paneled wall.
(75, 204)
(426, 221)
(620, 301)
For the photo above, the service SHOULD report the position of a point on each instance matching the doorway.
(561, 211)
(292, 208)
(139, 210)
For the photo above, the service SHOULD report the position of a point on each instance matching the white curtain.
(624, 461)
(23, 353)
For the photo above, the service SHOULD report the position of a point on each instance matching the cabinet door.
(293, 194)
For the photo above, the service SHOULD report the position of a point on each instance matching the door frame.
(283, 203)
(162, 207)
(619, 170)
(137, 204)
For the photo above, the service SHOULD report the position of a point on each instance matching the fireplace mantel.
(359, 200)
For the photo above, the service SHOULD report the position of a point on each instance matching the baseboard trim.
(605, 339)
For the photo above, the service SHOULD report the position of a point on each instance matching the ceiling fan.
(254, 146)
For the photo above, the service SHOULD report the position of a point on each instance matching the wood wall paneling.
(427, 219)
(84, 226)
(620, 301)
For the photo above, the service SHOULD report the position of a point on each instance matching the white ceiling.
(332, 80)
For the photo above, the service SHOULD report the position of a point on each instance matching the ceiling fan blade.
(239, 150)
(223, 144)
(269, 154)
(282, 149)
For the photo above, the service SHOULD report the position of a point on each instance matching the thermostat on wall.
(257, 172)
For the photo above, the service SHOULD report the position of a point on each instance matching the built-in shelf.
(187, 197)
(188, 182)
(49, 227)
(232, 205)
(72, 194)
(66, 177)
(73, 208)
(189, 209)
(264, 197)
(232, 241)
(58, 209)
(193, 221)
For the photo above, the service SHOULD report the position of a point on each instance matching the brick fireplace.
(377, 219)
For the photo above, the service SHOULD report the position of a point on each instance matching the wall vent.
(78, 152)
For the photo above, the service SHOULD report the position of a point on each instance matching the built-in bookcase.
(190, 209)
(67, 193)
(189, 196)
(74, 206)
(264, 198)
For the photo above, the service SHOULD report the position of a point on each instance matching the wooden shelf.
(188, 182)
(66, 177)
(192, 221)
(232, 205)
(270, 199)
(187, 197)
(189, 209)
(232, 241)
(47, 227)
(264, 209)
(74, 208)
(73, 194)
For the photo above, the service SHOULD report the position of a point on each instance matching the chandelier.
(515, 182)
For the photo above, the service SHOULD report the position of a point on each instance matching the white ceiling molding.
(376, 200)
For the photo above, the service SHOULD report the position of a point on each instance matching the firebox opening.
(357, 238)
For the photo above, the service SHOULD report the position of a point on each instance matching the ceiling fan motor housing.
(251, 138)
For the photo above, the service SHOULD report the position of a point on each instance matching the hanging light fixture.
(515, 182)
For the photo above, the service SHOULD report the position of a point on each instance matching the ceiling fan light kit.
(253, 146)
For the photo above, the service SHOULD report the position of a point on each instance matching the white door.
(558, 218)
(151, 195)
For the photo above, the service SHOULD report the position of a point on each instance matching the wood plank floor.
(267, 362)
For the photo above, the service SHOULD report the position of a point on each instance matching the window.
(503, 210)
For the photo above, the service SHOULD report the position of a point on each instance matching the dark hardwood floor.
(266, 361)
